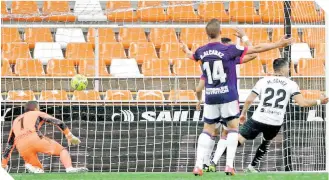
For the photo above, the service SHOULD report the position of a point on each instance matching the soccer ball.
(79, 82)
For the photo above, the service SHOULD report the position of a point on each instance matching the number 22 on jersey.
(217, 72)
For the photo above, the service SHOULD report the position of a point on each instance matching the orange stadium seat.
(305, 12)
(193, 35)
(90, 95)
(313, 36)
(267, 56)
(257, 35)
(6, 69)
(129, 35)
(109, 51)
(271, 11)
(319, 50)
(57, 11)
(162, 35)
(253, 68)
(208, 11)
(278, 33)
(29, 67)
(142, 51)
(60, 67)
(116, 95)
(186, 67)
(120, 11)
(244, 11)
(311, 94)
(105, 35)
(179, 95)
(87, 68)
(9, 35)
(79, 51)
(171, 51)
(182, 11)
(4, 12)
(151, 11)
(145, 95)
(34, 35)
(21, 95)
(228, 33)
(195, 46)
(156, 67)
(14, 51)
(26, 11)
(310, 67)
(49, 95)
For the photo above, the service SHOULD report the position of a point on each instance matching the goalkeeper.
(29, 141)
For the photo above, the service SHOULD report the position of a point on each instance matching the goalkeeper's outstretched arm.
(8, 149)
(302, 102)
(72, 140)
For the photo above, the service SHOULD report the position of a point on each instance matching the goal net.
(139, 113)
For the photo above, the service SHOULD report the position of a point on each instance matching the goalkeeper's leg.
(51, 147)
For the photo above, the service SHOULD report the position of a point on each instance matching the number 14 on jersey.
(217, 72)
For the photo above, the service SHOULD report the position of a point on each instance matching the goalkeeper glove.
(72, 140)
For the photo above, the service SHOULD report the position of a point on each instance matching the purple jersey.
(219, 70)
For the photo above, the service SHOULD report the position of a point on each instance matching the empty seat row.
(154, 11)
(119, 67)
(126, 36)
(124, 95)
(142, 95)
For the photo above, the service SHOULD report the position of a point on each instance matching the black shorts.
(252, 128)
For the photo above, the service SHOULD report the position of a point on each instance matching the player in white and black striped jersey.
(275, 93)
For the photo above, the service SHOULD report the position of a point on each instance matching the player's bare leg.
(205, 141)
(67, 162)
(232, 143)
(221, 146)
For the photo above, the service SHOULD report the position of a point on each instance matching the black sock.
(261, 151)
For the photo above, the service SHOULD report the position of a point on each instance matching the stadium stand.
(57, 11)
(311, 94)
(4, 12)
(209, 10)
(120, 11)
(9, 35)
(61, 67)
(18, 95)
(193, 35)
(251, 69)
(186, 67)
(45, 51)
(142, 51)
(271, 11)
(88, 68)
(15, 51)
(308, 36)
(90, 95)
(305, 11)
(150, 95)
(151, 11)
(129, 35)
(27, 11)
(171, 51)
(124, 68)
(182, 11)
(105, 35)
(310, 67)
(80, 51)
(49, 95)
(118, 95)
(69, 35)
(156, 67)
(162, 35)
(109, 51)
(246, 14)
(179, 95)
(34, 35)
(89, 11)
(29, 67)
(5, 68)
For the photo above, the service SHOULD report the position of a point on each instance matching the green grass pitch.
(171, 176)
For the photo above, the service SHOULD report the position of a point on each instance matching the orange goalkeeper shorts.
(31, 145)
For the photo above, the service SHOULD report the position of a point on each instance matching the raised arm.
(302, 102)
(62, 126)
(187, 51)
(283, 42)
(8, 150)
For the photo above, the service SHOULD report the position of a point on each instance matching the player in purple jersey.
(221, 101)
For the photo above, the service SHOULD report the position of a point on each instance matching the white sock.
(204, 142)
(221, 146)
(232, 143)
(206, 159)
